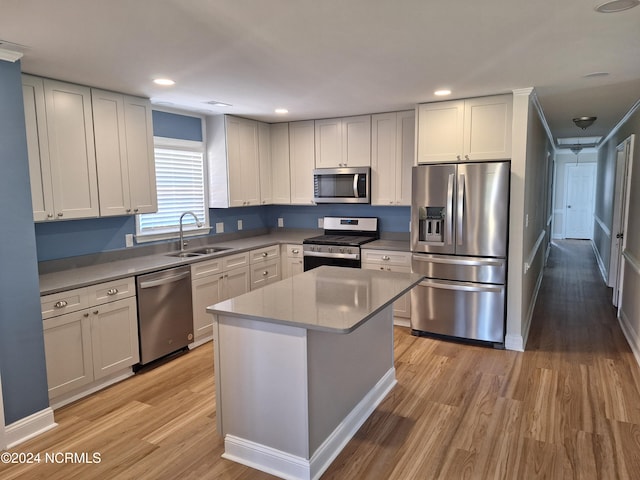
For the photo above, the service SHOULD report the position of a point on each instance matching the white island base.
(290, 398)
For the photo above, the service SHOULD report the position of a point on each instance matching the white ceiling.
(326, 58)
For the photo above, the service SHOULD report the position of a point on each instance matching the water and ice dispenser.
(431, 227)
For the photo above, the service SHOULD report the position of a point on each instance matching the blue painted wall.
(172, 125)
(22, 361)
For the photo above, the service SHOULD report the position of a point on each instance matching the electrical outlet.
(220, 227)
(239, 224)
(281, 222)
(526, 221)
(321, 223)
(128, 240)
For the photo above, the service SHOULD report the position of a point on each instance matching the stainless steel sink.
(209, 250)
(184, 254)
(198, 252)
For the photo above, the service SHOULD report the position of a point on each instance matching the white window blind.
(180, 181)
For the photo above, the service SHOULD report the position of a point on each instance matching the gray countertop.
(104, 271)
(382, 244)
(330, 299)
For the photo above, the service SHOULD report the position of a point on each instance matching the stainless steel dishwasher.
(165, 312)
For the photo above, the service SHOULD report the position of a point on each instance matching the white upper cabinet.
(343, 142)
(465, 130)
(392, 156)
(62, 162)
(302, 161)
(280, 173)
(124, 153)
(234, 167)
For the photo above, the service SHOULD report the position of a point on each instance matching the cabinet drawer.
(264, 273)
(294, 251)
(234, 261)
(387, 257)
(111, 291)
(265, 254)
(64, 302)
(204, 269)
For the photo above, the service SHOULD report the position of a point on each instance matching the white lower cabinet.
(292, 261)
(213, 281)
(391, 261)
(265, 266)
(90, 338)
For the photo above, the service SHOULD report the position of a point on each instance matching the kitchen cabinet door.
(71, 150)
(302, 161)
(292, 261)
(236, 282)
(114, 336)
(280, 173)
(242, 162)
(392, 157)
(265, 162)
(487, 128)
(391, 261)
(37, 148)
(343, 142)
(204, 292)
(440, 137)
(67, 346)
(264, 273)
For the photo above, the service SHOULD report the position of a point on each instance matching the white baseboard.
(401, 322)
(518, 342)
(29, 427)
(514, 342)
(292, 467)
(201, 341)
(629, 334)
(94, 387)
(603, 271)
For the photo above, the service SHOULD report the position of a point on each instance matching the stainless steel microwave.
(342, 185)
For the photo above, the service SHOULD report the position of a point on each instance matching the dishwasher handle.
(164, 281)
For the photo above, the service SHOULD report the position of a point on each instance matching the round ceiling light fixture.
(165, 82)
(617, 6)
(584, 122)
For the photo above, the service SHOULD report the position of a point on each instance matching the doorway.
(620, 216)
(579, 200)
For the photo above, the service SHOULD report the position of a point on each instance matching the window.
(180, 180)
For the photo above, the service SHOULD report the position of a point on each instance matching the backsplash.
(70, 238)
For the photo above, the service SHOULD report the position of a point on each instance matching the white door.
(579, 197)
(620, 218)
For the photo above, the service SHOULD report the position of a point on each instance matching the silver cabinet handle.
(112, 291)
(386, 257)
(295, 251)
(61, 304)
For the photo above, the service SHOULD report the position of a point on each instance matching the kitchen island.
(301, 364)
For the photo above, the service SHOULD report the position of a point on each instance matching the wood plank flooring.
(567, 408)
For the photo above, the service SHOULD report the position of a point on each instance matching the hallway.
(567, 408)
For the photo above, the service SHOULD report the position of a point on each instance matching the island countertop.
(330, 299)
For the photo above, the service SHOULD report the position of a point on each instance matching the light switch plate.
(321, 223)
(128, 240)
(281, 222)
(220, 227)
(239, 224)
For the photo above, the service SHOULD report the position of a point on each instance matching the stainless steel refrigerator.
(459, 232)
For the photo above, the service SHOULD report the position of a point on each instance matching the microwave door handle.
(460, 208)
(355, 185)
(449, 214)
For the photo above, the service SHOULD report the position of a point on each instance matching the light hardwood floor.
(568, 407)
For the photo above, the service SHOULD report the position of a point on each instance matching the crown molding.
(10, 55)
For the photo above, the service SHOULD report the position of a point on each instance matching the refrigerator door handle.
(449, 220)
(462, 286)
(460, 207)
(480, 262)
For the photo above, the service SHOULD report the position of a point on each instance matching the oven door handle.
(348, 256)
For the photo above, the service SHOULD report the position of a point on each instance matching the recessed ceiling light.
(281, 110)
(617, 6)
(164, 81)
(443, 92)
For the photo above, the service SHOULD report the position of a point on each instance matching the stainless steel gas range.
(340, 244)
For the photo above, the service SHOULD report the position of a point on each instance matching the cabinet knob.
(136, 210)
(264, 254)
(265, 273)
(95, 312)
(128, 210)
(85, 315)
(386, 257)
(295, 251)
(112, 291)
(458, 157)
(49, 215)
(60, 214)
(60, 304)
(466, 157)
